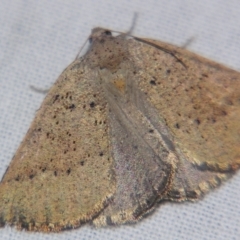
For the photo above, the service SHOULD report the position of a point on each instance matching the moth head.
(99, 34)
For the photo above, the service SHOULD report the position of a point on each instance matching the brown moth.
(130, 124)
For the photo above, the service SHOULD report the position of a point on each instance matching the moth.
(132, 123)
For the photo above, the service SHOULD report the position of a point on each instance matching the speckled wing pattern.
(62, 174)
(132, 123)
(182, 107)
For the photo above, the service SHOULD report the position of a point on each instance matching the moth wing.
(155, 78)
(143, 175)
(198, 101)
(62, 174)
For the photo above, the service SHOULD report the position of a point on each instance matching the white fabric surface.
(40, 38)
